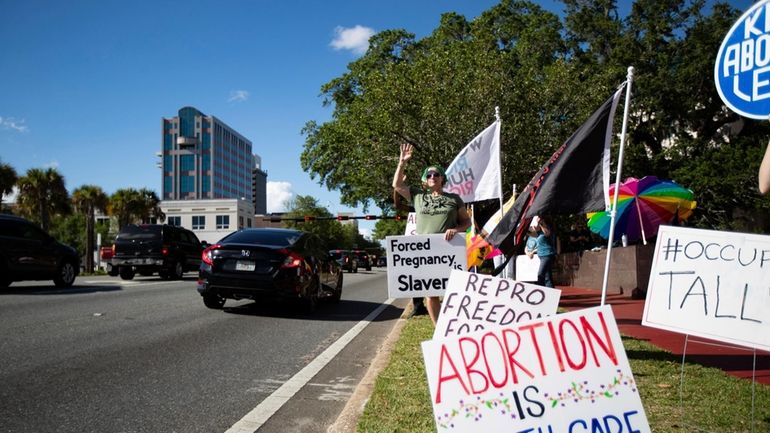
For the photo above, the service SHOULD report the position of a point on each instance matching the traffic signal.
(343, 217)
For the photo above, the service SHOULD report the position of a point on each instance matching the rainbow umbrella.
(643, 205)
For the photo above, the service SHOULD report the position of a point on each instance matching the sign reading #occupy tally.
(566, 373)
(476, 301)
(711, 284)
(420, 265)
(742, 69)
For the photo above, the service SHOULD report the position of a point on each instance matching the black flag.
(574, 180)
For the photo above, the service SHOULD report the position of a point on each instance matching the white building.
(210, 219)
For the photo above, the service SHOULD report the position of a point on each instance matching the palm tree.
(87, 199)
(123, 204)
(149, 206)
(8, 179)
(42, 194)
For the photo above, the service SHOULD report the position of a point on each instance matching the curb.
(347, 421)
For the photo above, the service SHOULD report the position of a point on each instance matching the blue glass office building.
(203, 158)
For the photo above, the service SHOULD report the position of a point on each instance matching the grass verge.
(711, 400)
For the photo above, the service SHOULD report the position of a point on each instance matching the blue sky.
(84, 84)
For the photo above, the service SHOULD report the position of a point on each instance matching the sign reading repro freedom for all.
(742, 68)
(474, 302)
(567, 373)
(420, 265)
(711, 284)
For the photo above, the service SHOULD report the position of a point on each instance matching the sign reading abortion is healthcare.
(742, 69)
(711, 284)
(567, 373)
(420, 265)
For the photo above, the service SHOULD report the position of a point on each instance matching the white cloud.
(278, 194)
(52, 164)
(11, 123)
(355, 39)
(238, 95)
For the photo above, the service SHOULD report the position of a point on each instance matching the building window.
(198, 222)
(187, 162)
(175, 221)
(167, 184)
(187, 184)
(240, 222)
(248, 222)
(223, 222)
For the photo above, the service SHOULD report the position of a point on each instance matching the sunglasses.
(432, 174)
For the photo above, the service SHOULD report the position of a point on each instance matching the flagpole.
(613, 212)
(500, 168)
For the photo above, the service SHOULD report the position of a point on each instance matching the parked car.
(363, 259)
(148, 248)
(29, 253)
(382, 261)
(346, 259)
(262, 263)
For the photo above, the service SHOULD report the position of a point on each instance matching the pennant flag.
(477, 249)
(475, 173)
(575, 179)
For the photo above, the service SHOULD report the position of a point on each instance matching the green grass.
(712, 401)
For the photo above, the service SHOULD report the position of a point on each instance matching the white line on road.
(269, 406)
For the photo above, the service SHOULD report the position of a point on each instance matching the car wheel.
(213, 301)
(112, 270)
(126, 273)
(65, 276)
(355, 269)
(178, 271)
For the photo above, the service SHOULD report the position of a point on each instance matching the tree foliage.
(130, 205)
(546, 75)
(42, 194)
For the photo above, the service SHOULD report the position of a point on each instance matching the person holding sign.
(437, 211)
(764, 172)
(546, 251)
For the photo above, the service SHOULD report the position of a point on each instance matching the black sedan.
(269, 263)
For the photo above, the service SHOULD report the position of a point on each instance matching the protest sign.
(567, 373)
(411, 224)
(419, 265)
(476, 301)
(526, 267)
(711, 284)
(742, 68)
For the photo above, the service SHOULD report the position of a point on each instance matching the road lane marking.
(270, 405)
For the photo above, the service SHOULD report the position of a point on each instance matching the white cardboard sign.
(526, 267)
(474, 302)
(420, 265)
(711, 284)
(564, 373)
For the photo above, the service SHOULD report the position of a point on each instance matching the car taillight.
(347, 259)
(293, 260)
(164, 250)
(113, 249)
(207, 254)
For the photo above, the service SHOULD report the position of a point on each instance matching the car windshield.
(335, 254)
(263, 237)
(133, 232)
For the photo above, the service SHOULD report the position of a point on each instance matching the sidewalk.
(734, 360)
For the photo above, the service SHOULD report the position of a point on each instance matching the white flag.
(475, 173)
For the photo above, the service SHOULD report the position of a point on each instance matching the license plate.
(244, 265)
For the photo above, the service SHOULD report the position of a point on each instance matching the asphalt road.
(146, 356)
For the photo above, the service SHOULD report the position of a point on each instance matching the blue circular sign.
(742, 68)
